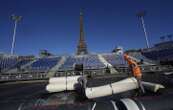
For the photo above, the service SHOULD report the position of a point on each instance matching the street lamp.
(16, 19)
(141, 16)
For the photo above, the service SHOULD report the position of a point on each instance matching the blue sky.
(54, 24)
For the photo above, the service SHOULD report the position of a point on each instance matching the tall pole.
(16, 20)
(141, 16)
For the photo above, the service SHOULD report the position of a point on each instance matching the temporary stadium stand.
(88, 61)
(107, 64)
(68, 64)
(44, 64)
(55, 63)
(159, 54)
(7, 62)
(114, 59)
(20, 63)
(53, 70)
(138, 56)
(92, 62)
(151, 55)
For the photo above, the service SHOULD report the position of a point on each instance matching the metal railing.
(122, 70)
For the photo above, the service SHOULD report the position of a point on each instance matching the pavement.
(27, 95)
(13, 94)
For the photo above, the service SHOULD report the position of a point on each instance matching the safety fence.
(120, 71)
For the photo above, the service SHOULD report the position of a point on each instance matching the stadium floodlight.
(141, 15)
(16, 19)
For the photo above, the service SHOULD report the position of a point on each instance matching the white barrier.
(114, 88)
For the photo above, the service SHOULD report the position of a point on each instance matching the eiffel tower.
(81, 47)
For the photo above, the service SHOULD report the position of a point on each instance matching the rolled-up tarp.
(96, 92)
(154, 87)
(63, 80)
(60, 84)
(60, 87)
(55, 87)
(113, 88)
(124, 85)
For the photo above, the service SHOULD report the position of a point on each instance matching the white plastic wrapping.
(60, 87)
(154, 87)
(124, 85)
(59, 80)
(55, 87)
(98, 91)
(60, 84)
(114, 88)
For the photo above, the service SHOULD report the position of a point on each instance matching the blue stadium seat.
(89, 62)
(92, 62)
(68, 63)
(139, 56)
(7, 62)
(114, 59)
(43, 64)
(21, 63)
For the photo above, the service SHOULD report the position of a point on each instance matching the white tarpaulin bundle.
(113, 88)
(60, 84)
(60, 87)
(154, 87)
(59, 80)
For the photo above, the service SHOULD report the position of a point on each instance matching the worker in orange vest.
(136, 70)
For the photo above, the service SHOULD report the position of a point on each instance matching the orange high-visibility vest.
(136, 70)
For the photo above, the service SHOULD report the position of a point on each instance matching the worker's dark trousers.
(140, 85)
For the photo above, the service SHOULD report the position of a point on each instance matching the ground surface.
(32, 95)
